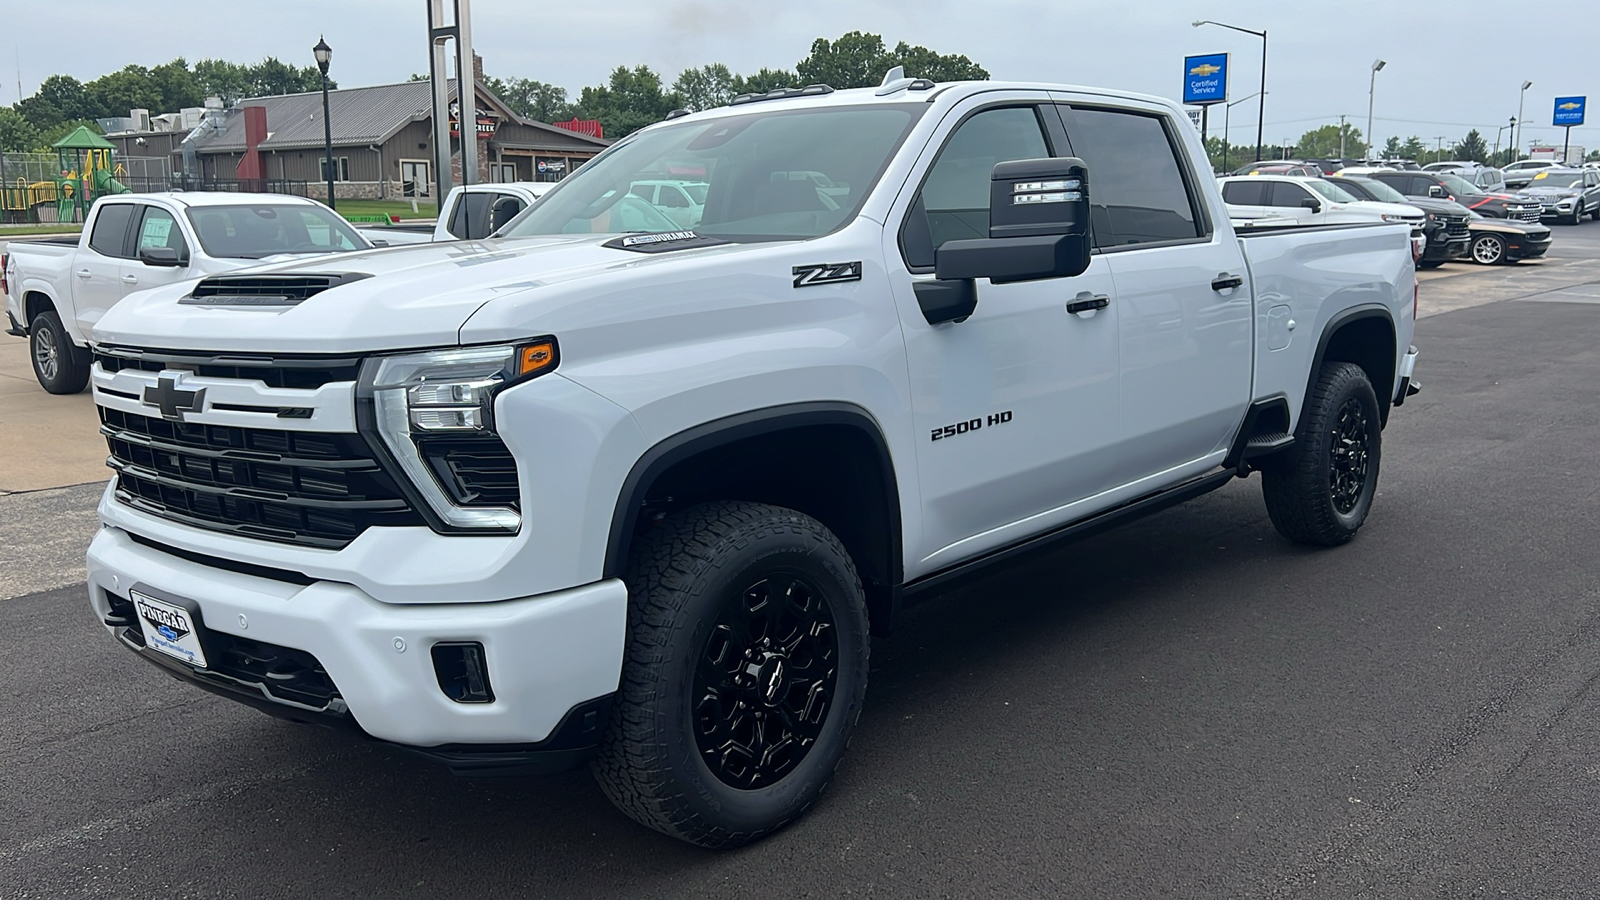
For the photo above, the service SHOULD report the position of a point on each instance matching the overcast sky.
(1445, 73)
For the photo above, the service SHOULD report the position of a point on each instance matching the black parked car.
(1567, 194)
(1506, 240)
(1446, 226)
(1445, 186)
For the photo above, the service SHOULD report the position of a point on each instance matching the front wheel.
(743, 677)
(1320, 489)
(54, 363)
(1577, 213)
(1489, 250)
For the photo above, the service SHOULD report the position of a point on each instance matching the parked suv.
(1567, 194)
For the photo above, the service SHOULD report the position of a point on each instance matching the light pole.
(1516, 145)
(324, 55)
(1497, 132)
(1377, 66)
(1261, 113)
(1227, 112)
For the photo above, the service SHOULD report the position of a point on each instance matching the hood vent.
(264, 290)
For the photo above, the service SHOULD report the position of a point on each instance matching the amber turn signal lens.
(536, 358)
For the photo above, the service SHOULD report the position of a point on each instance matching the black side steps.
(1265, 431)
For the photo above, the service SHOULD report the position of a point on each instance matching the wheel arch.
(829, 460)
(1364, 335)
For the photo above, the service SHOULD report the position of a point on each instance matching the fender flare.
(1339, 320)
(708, 436)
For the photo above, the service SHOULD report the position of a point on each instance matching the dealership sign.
(1569, 111)
(1205, 79)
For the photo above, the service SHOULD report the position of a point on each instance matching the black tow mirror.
(1311, 204)
(160, 256)
(1038, 225)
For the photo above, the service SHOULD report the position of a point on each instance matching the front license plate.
(169, 629)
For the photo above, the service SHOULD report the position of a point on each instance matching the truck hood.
(412, 296)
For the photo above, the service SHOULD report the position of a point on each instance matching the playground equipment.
(87, 166)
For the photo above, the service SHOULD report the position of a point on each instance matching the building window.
(341, 171)
(502, 172)
(414, 180)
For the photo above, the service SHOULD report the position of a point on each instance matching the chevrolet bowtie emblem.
(1205, 69)
(173, 402)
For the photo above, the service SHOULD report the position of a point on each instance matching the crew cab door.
(97, 266)
(1183, 300)
(1016, 406)
(156, 227)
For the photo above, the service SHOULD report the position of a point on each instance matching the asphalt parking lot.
(1188, 707)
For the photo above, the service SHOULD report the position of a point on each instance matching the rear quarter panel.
(1304, 280)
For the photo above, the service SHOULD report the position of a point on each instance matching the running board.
(1073, 531)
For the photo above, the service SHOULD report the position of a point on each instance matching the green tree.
(1413, 148)
(114, 94)
(59, 98)
(177, 86)
(764, 80)
(706, 87)
(856, 59)
(17, 134)
(529, 98)
(1472, 147)
(1324, 142)
(220, 78)
(1593, 156)
(272, 76)
(632, 99)
(920, 62)
(1392, 147)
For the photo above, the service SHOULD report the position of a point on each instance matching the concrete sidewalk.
(46, 441)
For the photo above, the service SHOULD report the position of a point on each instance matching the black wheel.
(1488, 249)
(744, 673)
(1319, 490)
(54, 363)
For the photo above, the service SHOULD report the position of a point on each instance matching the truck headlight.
(424, 403)
(1391, 217)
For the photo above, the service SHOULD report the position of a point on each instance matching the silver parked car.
(1567, 194)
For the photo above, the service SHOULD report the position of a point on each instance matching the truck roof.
(215, 198)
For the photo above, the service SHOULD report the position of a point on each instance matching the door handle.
(85, 273)
(1087, 302)
(130, 279)
(1226, 282)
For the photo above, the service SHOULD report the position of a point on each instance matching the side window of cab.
(953, 200)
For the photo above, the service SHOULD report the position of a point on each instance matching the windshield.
(254, 232)
(761, 176)
(1331, 191)
(1457, 185)
(1382, 192)
(1557, 180)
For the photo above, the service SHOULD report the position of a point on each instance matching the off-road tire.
(683, 575)
(51, 352)
(1301, 488)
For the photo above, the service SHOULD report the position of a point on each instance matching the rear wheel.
(1489, 249)
(54, 363)
(1320, 489)
(744, 673)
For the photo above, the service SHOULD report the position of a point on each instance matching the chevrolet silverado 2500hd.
(55, 290)
(638, 498)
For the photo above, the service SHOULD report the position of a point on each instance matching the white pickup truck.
(56, 289)
(576, 494)
(1307, 201)
(470, 212)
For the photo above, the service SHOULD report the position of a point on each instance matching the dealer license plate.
(169, 629)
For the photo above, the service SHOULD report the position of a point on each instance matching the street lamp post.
(324, 55)
(1261, 113)
(1499, 131)
(1377, 66)
(1516, 145)
(1227, 113)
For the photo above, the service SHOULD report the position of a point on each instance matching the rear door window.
(1245, 193)
(1139, 190)
(1289, 196)
(110, 234)
(470, 219)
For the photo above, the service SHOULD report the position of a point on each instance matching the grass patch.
(401, 208)
(24, 230)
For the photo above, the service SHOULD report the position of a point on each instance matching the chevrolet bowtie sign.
(1205, 79)
(170, 400)
(1569, 111)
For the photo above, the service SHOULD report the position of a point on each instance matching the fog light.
(463, 671)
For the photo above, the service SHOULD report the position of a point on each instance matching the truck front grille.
(1456, 226)
(310, 488)
(307, 373)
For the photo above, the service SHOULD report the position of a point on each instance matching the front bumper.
(553, 659)
(1442, 247)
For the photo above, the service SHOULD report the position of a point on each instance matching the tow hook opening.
(463, 671)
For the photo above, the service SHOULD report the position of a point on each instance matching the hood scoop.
(255, 291)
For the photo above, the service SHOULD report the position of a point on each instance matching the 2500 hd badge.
(971, 425)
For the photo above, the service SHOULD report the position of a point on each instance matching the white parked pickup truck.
(56, 289)
(470, 212)
(575, 494)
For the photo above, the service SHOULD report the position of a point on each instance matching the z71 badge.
(826, 273)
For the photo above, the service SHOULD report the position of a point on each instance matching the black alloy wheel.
(1488, 249)
(1348, 457)
(765, 681)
